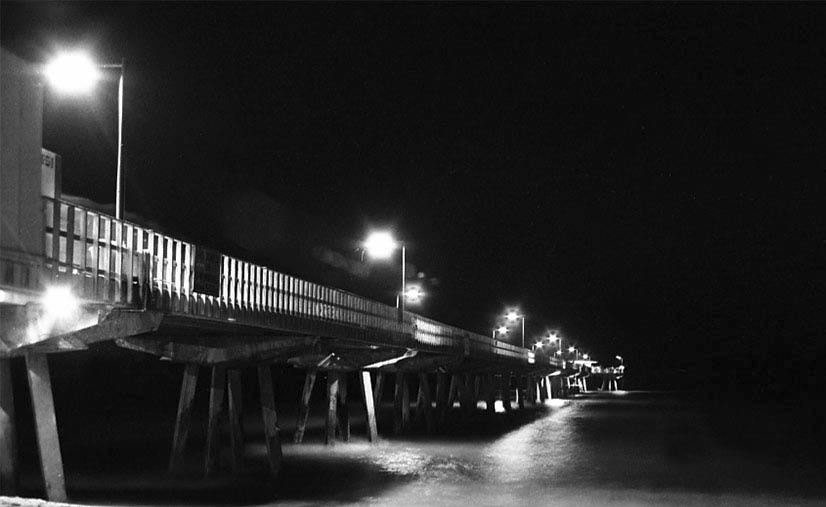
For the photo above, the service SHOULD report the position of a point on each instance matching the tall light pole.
(381, 245)
(76, 73)
(513, 316)
(555, 336)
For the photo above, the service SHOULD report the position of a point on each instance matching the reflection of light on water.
(619, 393)
(555, 402)
(499, 406)
(401, 461)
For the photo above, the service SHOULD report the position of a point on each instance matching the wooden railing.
(121, 263)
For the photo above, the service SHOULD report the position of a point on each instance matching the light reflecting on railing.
(119, 262)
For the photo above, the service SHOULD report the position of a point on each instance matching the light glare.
(72, 73)
(380, 245)
(59, 303)
(413, 294)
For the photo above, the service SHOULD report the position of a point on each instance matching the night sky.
(646, 178)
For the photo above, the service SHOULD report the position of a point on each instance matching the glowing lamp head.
(571, 349)
(501, 329)
(585, 356)
(512, 316)
(380, 245)
(559, 352)
(72, 73)
(413, 294)
(59, 302)
(539, 344)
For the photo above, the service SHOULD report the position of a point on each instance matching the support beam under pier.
(217, 387)
(270, 418)
(183, 419)
(369, 406)
(343, 408)
(304, 406)
(48, 444)
(8, 434)
(236, 424)
(332, 407)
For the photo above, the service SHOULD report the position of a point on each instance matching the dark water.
(624, 448)
(635, 448)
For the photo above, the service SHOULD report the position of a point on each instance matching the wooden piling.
(405, 404)
(520, 392)
(332, 407)
(453, 391)
(183, 418)
(272, 436)
(506, 391)
(48, 443)
(377, 392)
(369, 408)
(491, 394)
(343, 408)
(236, 424)
(217, 387)
(304, 406)
(466, 394)
(8, 434)
(424, 402)
(401, 405)
(441, 394)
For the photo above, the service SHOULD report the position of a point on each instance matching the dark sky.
(646, 177)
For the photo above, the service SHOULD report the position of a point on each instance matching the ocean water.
(622, 448)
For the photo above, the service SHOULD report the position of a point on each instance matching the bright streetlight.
(59, 302)
(513, 316)
(501, 330)
(555, 336)
(381, 245)
(585, 356)
(73, 73)
(413, 294)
